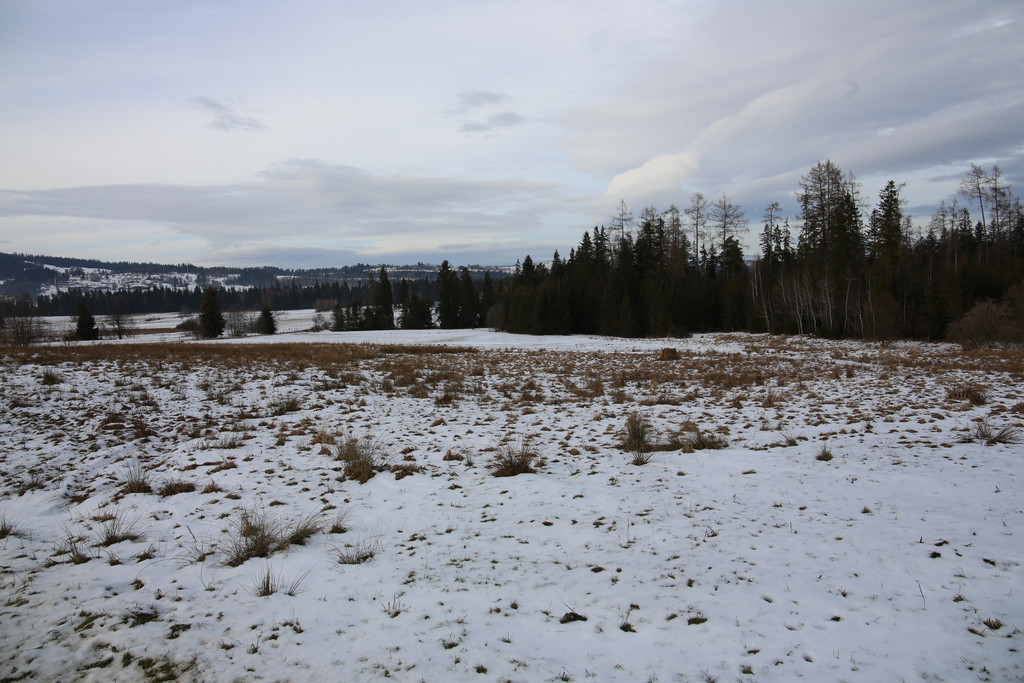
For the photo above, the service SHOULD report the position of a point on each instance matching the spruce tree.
(266, 323)
(383, 303)
(85, 324)
(448, 297)
(211, 320)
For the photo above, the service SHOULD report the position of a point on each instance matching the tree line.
(838, 273)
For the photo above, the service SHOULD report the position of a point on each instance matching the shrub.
(211, 320)
(824, 455)
(188, 325)
(512, 460)
(266, 324)
(987, 322)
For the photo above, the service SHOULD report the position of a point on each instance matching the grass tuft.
(135, 478)
(637, 434)
(968, 391)
(363, 458)
(357, 552)
(512, 460)
(172, 487)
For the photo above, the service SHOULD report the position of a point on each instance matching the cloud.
(475, 112)
(505, 119)
(476, 99)
(307, 203)
(229, 114)
(900, 90)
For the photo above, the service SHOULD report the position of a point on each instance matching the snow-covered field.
(897, 559)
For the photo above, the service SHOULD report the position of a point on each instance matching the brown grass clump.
(363, 458)
(512, 460)
(707, 441)
(668, 354)
(135, 479)
(172, 487)
(967, 391)
(638, 434)
(256, 534)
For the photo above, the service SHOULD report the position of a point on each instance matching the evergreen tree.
(383, 314)
(488, 298)
(416, 314)
(469, 304)
(448, 297)
(266, 324)
(85, 324)
(211, 320)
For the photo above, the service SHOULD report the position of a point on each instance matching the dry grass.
(700, 440)
(363, 458)
(135, 478)
(173, 487)
(989, 435)
(511, 460)
(117, 529)
(8, 527)
(637, 437)
(357, 552)
(968, 391)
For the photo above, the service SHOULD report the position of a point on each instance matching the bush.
(988, 322)
(188, 325)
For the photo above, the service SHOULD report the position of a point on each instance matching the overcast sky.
(318, 132)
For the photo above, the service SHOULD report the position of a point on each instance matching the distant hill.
(35, 275)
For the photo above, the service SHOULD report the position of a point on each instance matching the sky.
(326, 132)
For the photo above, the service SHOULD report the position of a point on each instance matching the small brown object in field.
(668, 354)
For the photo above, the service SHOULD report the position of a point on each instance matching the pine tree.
(211, 320)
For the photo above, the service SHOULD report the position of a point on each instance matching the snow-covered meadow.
(896, 559)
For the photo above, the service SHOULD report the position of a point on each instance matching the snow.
(896, 560)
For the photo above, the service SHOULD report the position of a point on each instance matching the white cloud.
(229, 114)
